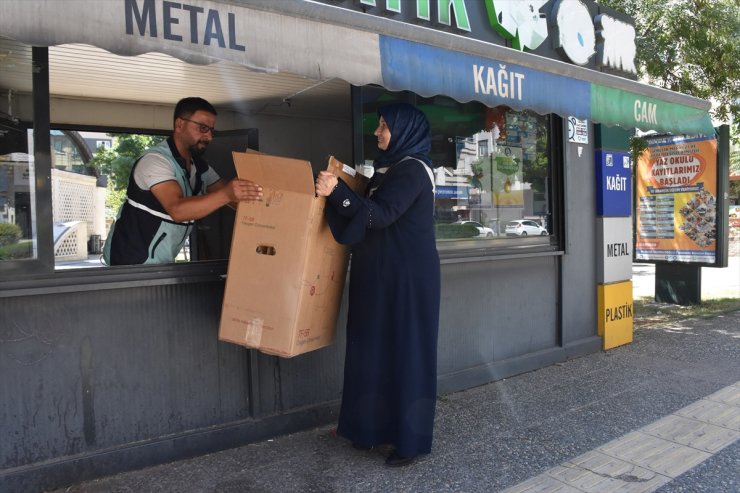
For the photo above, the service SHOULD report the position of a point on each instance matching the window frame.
(473, 250)
(38, 276)
(44, 261)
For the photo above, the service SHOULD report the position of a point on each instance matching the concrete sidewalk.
(716, 282)
(643, 406)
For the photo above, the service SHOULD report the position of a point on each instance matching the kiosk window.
(90, 173)
(18, 235)
(493, 168)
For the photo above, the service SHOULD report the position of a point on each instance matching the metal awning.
(323, 42)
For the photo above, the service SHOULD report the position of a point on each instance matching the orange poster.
(677, 200)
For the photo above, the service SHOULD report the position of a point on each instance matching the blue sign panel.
(613, 184)
(448, 192)
(429, 71)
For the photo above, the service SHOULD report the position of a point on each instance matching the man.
(170, 187)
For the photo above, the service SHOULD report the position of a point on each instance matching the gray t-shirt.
(154, 168)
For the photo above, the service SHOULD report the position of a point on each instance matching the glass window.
(493, 167)
(18, 236)
(89, 178)
(89, 183)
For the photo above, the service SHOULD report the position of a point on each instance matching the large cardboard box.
(286, 272)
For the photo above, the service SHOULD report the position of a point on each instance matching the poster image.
(677, 200)
(506, 178)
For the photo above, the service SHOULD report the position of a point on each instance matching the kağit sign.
(580, 30)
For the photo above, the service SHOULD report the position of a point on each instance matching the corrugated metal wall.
(100, 381)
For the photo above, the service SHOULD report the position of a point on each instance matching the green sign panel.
(618, 107)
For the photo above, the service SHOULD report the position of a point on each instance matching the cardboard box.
(286, 273)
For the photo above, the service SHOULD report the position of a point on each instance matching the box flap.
(356, 181)
(275, 172)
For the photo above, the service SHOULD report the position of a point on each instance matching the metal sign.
(614, 250)
(615, 313)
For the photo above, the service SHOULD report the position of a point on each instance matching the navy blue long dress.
(390, 374)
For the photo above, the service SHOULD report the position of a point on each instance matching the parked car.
(483, 231)
(524, 227)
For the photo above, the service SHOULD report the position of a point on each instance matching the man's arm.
(220, 193)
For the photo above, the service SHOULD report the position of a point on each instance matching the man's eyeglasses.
(202, 127)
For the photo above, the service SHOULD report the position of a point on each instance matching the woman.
(390, 374)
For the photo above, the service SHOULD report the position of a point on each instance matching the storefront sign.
(577, 130)
(614, 240)
(450, 192)
(613, 184)
(432, 70)
(576, 36)
(180, 20)
(615, 313)
(613, 106)
(579, 32)
(446, 11)
(676, 200)
(520, 22)
(205, 31)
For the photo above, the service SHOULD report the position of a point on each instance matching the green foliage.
(455, 231)
(18, 251)
(690, 46)
(638, 145)
(113, 200)
(735, 162)
(118, 161)
(9, 234)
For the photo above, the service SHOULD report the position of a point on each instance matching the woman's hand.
(325, 183)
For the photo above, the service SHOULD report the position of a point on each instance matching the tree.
(690, 46)
(117, 163)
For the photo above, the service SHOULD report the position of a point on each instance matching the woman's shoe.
(395, 460)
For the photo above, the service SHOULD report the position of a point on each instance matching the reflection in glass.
(78, 197)
(89, 178)
(18, 239)
(500, 175)
(17, 207)
(492, 166)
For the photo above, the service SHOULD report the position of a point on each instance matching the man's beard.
(196, 151)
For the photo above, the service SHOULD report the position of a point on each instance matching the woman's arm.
(399, 189)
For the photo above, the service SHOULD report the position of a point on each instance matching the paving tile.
(542, 484)
(659, 455)
(692, 433)
(713, 412)
(597, 472)
(729, 395)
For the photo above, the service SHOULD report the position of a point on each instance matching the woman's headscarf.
(410, 134)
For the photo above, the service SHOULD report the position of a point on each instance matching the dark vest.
(143, 232)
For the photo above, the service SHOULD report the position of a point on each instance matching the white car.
(524, 227)
(483, 231)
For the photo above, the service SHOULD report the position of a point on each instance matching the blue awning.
(430, 71)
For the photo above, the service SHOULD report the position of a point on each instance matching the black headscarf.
(410, 134)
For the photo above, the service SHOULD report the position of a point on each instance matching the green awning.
(613, 106)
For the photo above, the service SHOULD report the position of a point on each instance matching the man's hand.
(325, 183)
(221, 193)
(238, 190)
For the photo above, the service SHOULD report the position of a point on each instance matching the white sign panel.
(577, 130)
(614, 249)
